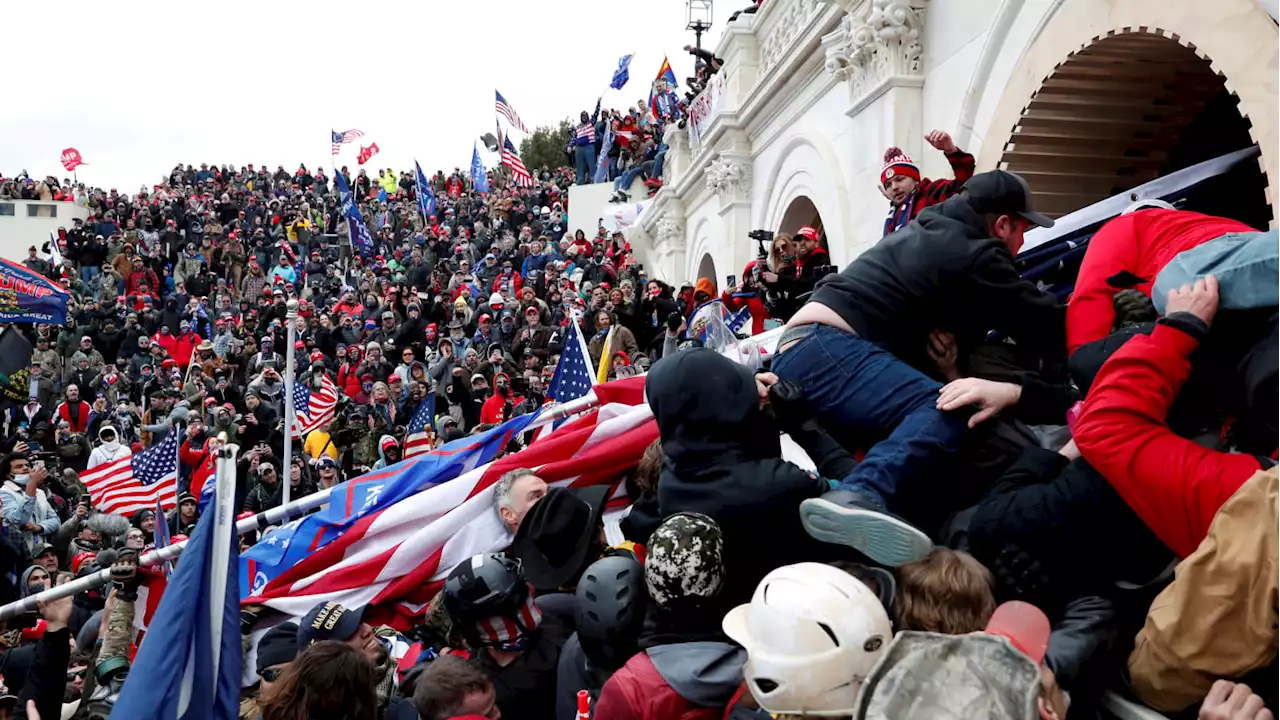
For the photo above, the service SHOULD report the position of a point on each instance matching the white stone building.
(1084, 98)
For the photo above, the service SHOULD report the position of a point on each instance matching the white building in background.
(24, 223)
(1084, 98)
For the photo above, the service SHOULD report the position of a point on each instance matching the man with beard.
(382, 646)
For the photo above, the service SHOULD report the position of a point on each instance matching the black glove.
(790, 407)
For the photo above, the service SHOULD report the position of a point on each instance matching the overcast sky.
(138, 86)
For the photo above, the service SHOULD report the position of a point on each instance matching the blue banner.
(361, 240)
(479, 178)
(621, 75)
(28, 296)
(426, 198)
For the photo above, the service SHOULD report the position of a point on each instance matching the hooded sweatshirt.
(724, 459)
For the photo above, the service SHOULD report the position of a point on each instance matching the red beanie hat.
(897, 163)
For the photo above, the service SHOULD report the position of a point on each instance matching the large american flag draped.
(137, 482)
(506, 111)
(511, 159)
(396, 559)
(313, 409)
(418, 435)
(573, 378)
(342, 138)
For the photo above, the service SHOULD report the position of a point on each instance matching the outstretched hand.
(941, 140)
(991, 397)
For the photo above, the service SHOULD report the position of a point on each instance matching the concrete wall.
(20, 230)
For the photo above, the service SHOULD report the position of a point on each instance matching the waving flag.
(190, 668)
(426, 198)
(271, 563)
(313, 409)
(27, 296)
(511, 159)
(606, 356)
(342, 138)
(479, 178)
(621, 76)
(602, 162)
(505, 110)
(418, 437)
(137, 482)
(71, 159)
(666, 73)
(366, 153)
(396, 559)
(360, 237)
(573, 378)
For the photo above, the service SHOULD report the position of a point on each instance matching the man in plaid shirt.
(907, 193)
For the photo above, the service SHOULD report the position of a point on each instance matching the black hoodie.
(724, 459)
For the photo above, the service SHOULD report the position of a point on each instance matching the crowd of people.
(1015, 505)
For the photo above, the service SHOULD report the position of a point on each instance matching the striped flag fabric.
(137, 482)
(342, 138)
(313, 409)
(505, 110)
(418, 435)
(573, 378)
(511, 159)
(395, 560)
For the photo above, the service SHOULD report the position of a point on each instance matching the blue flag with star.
(621, 75)
(479, 178)
(426, 198)
(360, 237)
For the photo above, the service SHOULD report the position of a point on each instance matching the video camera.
(764, 240)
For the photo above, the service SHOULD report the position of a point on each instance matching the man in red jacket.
(74, 410)
(185, 344)
(1215, 510)
(908, 193)
(754, 301)
(1128, 252)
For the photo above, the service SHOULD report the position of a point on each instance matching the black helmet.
(486, 586)
(610, 610)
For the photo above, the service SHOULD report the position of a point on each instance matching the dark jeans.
(851, 383)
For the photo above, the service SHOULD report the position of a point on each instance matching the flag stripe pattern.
(505, 110)
(418, 435)
(511, 159)
(137, 482)
(313, 409)
(397, 559)
(342, 138)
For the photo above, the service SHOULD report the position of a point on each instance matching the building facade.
(1084, 98)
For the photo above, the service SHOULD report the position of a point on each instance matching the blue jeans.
(1244, 263)
(584, 159)
(853, 383)
(88, 273)
(658, 160)
(623, 183)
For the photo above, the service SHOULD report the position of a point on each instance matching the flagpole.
(290, 417)
(222, 537)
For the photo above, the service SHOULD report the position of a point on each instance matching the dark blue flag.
(361, 240)
(426, 198)
(479, 178)
(621, 76)
(27, 296)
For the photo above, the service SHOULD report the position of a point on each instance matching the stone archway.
(800, 212)
(707, 269)
(1099, 87)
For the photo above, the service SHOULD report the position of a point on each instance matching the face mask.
(21, 479)
(111, 446)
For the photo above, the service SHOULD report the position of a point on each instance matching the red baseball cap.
(1024, 625)
(808, 232)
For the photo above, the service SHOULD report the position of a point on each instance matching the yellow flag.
(602, 375)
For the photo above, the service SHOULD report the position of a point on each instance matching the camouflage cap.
(684, 559)
(929, 676)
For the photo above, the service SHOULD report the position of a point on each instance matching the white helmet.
(812, 633)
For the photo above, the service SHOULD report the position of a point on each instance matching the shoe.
(848, 517)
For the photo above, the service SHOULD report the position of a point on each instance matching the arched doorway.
(707, 269)
(801, 213)
(1124, 110)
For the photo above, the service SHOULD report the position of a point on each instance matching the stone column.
(729, 176)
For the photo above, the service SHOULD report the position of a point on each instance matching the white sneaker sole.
(883, 538)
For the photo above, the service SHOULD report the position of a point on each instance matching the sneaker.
(848, 517)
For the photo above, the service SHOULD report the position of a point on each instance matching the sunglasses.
(271, 674)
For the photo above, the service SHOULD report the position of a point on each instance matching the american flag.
(418, 437)
(342, 138)
(573, 378)
(505, 110)
(511, 159)
(396, 559)
(137, 482)
(313, 409)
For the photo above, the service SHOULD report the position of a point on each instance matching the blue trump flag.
(621, 75)
(602, 162)
(361, 240)
(27, 296)
(479, 178)
(188, 667)
(368, 494)
(426, 198)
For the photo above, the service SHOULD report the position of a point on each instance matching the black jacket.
(942, 271)
(724, 459)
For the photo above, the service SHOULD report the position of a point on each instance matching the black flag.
(490, 142)
(15, 368)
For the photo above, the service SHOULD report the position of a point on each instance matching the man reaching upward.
(908, 194)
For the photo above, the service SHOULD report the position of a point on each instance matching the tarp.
(622, 216)
(28, 296)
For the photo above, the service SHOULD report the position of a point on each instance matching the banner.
(28, 296)
(15, 368)
(71, 159)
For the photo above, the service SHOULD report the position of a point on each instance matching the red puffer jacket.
(1141, 243)
(690, 681)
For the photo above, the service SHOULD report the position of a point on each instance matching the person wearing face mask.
(499, 407)
(110, 450)
(24, 503)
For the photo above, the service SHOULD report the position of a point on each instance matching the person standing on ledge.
(907, 193)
